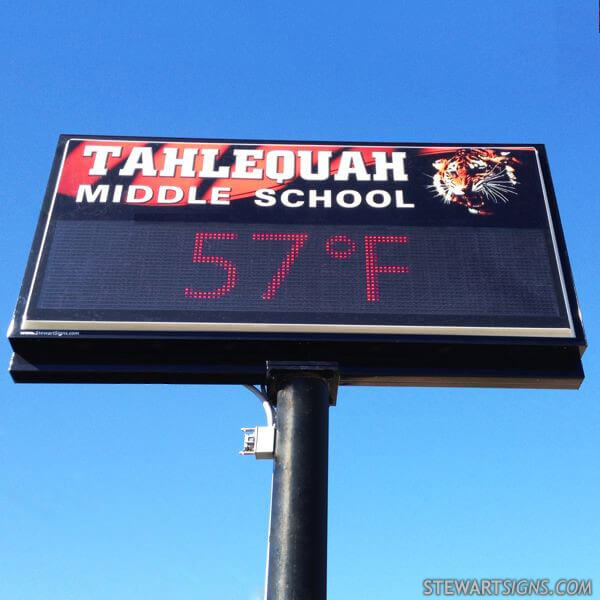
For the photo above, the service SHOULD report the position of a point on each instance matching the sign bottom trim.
(29, 325)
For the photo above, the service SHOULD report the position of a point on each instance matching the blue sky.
(129, 492)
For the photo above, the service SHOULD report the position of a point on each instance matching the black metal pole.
(297, 567)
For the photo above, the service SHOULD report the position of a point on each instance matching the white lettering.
(265, 197)
(280, 165)
(172, 160)
(220, 195)
(132, 193)
(209, 158)
(117, 194)
(290, 204)
(323, 160)
(357, 199)
(383, 203)
(192, 196)
(101, 159)
(85, 192)
(244, 160)
(325, 198)
(352, 163)
(141, 158)
(400, 200)
(163, 192)
(396, 165)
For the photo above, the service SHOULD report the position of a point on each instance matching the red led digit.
(224, 263)
(373, 269)
(298, 240)
(332, 246)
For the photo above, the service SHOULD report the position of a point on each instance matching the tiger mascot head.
(475, 178)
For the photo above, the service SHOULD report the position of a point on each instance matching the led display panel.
(228, 238)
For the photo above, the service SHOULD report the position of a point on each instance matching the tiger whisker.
(495, 195)
(502, 191)
(502, 188)
(503, 183)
